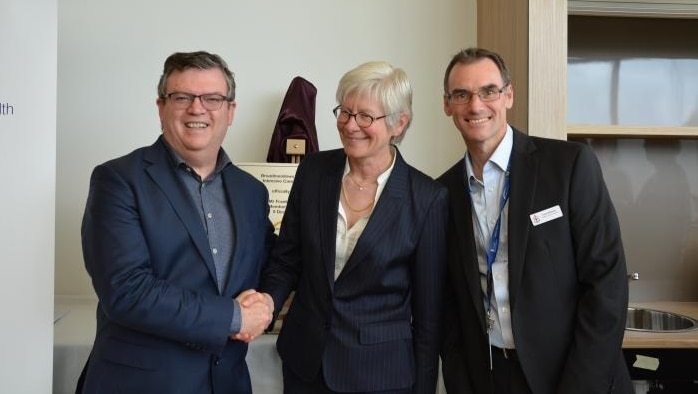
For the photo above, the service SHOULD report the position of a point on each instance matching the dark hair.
(180, 61)
(471, 55)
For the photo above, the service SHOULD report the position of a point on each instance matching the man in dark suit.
(363, 245)
(537, 293)
(171, 234)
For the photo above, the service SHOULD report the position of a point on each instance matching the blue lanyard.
(494, 240)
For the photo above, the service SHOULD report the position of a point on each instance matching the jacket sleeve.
(280, 276)
(428, 279)
(592, 361)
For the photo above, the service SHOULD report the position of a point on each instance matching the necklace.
(346, 201)
(360, 186)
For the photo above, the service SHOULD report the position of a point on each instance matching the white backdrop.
(110, 56)
(27, 160)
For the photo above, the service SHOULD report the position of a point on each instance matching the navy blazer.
(377, 326)
(567, 277)
(162, 324)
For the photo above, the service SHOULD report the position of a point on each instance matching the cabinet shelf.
(634, 8)
(600, 131)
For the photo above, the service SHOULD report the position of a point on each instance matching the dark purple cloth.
(296, 121)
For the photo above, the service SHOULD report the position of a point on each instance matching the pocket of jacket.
(384, 332)
(128, 354)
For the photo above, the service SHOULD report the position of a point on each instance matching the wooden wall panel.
(532, 37)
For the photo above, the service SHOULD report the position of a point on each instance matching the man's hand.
(257, 309)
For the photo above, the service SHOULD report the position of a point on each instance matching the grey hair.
(384, 83)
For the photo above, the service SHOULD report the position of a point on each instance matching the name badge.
(546, 215)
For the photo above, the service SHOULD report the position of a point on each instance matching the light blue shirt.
(486, 194)
(346, 238)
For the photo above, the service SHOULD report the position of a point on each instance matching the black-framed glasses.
(362, 119)
(462, 96)
(210, 101)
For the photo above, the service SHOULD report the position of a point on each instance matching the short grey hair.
(384, 83)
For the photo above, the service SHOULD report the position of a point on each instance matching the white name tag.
(546, 215)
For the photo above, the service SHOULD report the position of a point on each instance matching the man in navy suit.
(363, 245)
(172, 233)
(537, 294)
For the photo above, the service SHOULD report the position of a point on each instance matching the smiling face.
(194, 132)
(481, 124)
(372, 143)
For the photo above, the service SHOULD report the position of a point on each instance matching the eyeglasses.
(210, 101)
(363, 120)
(462, 96)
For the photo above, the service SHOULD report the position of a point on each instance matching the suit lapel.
(159, 168)
(330, 185)
(467, 267)
(524, 170)
(382, 218)
(237, 205)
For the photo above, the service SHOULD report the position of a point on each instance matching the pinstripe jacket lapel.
(330, 186)
(384, 214)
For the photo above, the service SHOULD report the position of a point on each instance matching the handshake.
(257, 311)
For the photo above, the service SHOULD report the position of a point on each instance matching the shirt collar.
(222, 161)
(500, 157)
(502, 154)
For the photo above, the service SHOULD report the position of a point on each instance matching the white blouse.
(348, 237)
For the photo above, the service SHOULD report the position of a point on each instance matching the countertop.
(665, 340)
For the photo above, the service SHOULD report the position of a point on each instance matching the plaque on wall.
(278, 178)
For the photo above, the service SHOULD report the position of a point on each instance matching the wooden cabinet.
(631, 69)
(539, 37)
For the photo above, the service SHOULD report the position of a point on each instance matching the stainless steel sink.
(641, 319)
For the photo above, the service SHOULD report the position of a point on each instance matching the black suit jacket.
(162, 324)
(377, 326)
(567, 277)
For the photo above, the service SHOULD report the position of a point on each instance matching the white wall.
(110, 55)
(27, 159)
